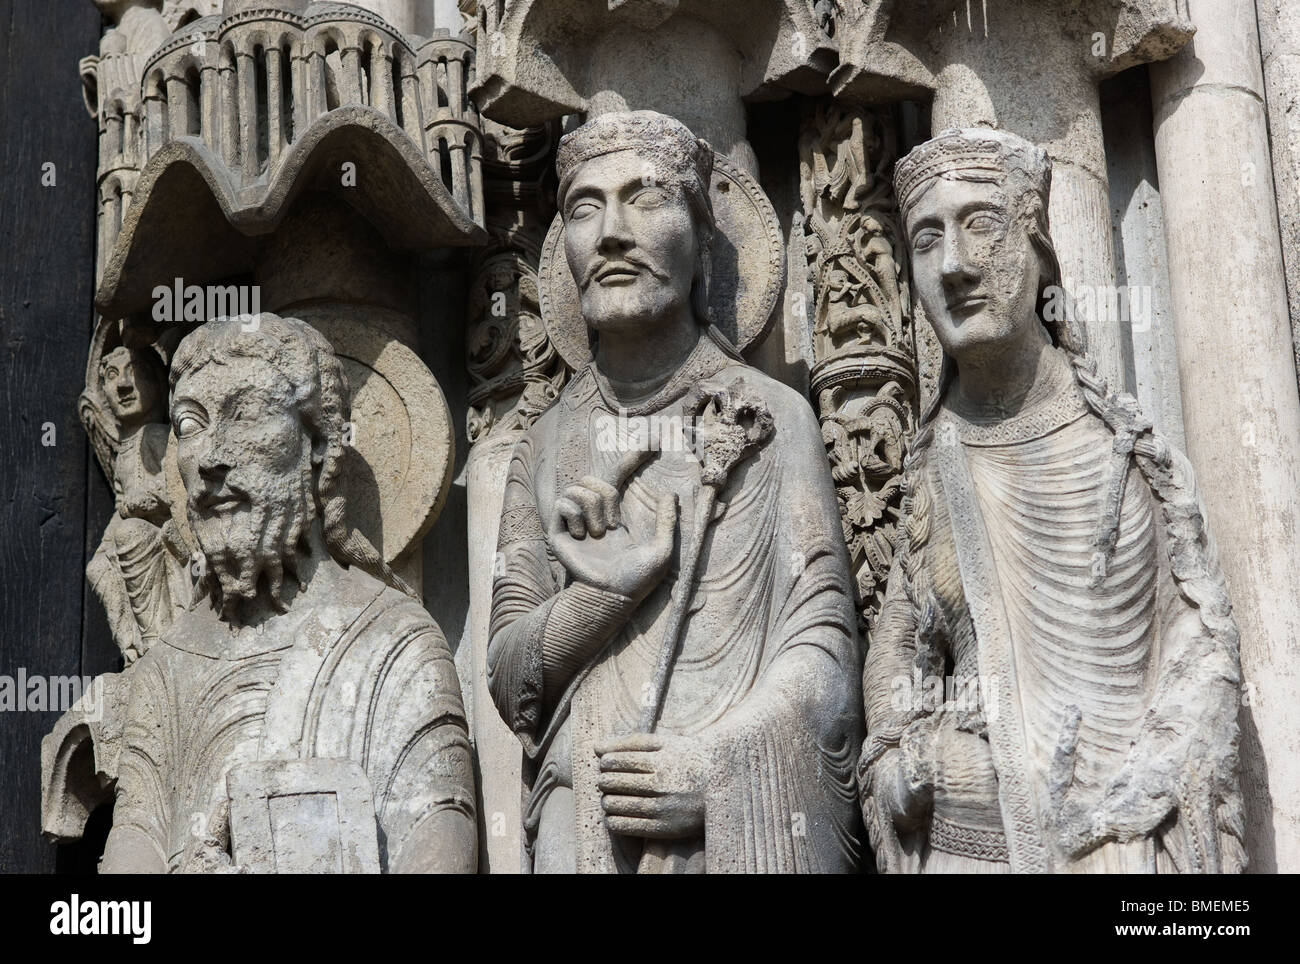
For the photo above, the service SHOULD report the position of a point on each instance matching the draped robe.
(997, 586)
(138, 572)
(368, 678)
(768, 656)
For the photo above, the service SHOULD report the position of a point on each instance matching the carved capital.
(891, 50)
(537, 58)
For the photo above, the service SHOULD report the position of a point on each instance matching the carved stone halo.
(748, 260)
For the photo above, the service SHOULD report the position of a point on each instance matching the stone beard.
(259, 542)
(759, 723)
(1040, 520)
(333, 674)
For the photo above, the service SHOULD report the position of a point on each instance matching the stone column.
(696, 60)
(1279, 36)
(864, 380)
(1241, 410)
(499, 754)
(1142, 264)
(514, 374)
(408, 16)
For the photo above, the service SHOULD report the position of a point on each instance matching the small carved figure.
(140, 572)
(865, 374)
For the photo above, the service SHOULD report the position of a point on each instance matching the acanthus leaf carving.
(864, 380)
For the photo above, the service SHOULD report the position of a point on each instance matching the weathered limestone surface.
(1141, 258)
(496, 747)
(140, 570)
(515, 374)
(302, 174)
(694, 60)
(1240, 403)
(616, 330)
(865, 378)
(1091, 726)
(1279, 38)
(982, 60)
(306, 694)
(683, 683)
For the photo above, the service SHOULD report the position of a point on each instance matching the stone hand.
(1133, 805)
(905, 802)
(939, 767)
(590, 540)
(652, 785)
(1135, 801)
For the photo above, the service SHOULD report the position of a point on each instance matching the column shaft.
(1240, 405)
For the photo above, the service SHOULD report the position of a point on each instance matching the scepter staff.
(730, 424)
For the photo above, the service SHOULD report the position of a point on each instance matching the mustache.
(627, 260)
(227, 491)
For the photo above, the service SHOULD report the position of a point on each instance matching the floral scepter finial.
(730, 424)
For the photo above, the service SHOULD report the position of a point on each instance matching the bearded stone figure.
(304, 714)
(1054, 569)
(673, 634)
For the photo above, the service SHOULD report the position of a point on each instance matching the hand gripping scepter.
(731, 423)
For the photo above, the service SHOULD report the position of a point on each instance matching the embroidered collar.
(711, 354)
(1064, 405)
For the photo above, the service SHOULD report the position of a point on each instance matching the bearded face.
(630, 243)
(246, 461)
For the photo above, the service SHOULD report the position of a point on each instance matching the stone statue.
(673, 630)
(140, 570)
(1052, 684)
(305, 696)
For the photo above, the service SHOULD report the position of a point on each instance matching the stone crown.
(994, 154)
(673, 152)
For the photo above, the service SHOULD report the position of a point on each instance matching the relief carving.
(515, 372)
(864, 379)
(140, 572)
(960, 614)
(306, 687)
(297, 155)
